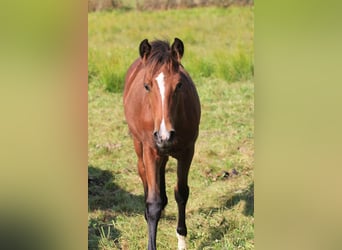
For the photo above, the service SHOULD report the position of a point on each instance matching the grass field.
(219, 56)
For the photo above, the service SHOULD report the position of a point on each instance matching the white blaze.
(161, 84)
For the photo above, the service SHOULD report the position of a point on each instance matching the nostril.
(155, 135)
(172, 134)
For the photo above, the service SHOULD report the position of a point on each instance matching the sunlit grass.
(219, 56)
(217, 216)
(218, 42)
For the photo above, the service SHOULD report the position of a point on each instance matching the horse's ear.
(177, 49)
(144, 49)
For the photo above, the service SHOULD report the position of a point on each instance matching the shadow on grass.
(107, 198)
(246, 195)
(226, 225)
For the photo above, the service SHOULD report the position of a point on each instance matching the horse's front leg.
(154, 203)
(182, 194)
(138, 146)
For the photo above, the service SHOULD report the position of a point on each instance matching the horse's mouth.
(164, 147)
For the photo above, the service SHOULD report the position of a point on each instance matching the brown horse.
(163, 112)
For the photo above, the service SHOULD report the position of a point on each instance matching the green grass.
(219, 57)
(218, 42)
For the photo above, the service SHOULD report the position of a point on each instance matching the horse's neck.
(135, 70)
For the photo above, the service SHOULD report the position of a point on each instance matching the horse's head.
(163, 86)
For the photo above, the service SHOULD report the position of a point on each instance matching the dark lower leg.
(181, 196)
(163, 196)
(182, 188)
(153, 212)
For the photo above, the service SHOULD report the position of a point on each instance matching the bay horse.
(162, 110)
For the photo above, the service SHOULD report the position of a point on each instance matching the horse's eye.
(178, 86)
(147, 87)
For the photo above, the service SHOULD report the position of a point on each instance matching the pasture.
(219, 57)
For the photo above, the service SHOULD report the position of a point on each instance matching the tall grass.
(218, 42)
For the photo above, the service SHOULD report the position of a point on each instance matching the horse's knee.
(153, 211)
(182, 195)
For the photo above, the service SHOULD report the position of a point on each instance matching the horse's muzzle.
(165, 142)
